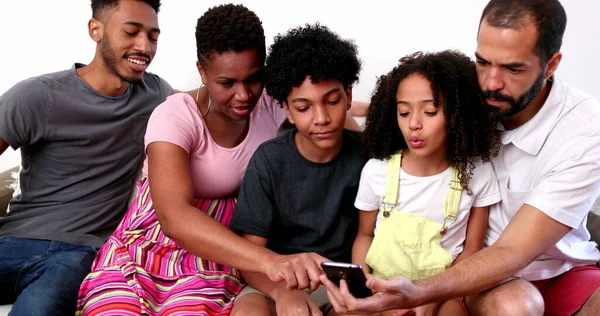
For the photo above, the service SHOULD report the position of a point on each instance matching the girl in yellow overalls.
(425, 192)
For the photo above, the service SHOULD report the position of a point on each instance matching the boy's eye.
(227, 84)
(514, 71)
(333, 102)
(302, 109)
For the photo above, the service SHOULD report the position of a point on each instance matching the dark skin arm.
(476, 229)
(364, 238)
(172, 195)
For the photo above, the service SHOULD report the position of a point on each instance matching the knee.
(524, 306)
(248, 310)
(520, 298)
(253, 305)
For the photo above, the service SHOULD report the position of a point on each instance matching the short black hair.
(98, 6)
(548, 16)
(226, 28)
(470, 127)
(310, 51)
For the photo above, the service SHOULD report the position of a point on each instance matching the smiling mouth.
(137, 61)
(242, 110)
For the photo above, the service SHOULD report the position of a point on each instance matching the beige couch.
(5, 192)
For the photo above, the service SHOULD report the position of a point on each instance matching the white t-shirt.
(553, 164)
(426, 195)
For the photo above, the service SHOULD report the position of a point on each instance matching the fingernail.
(370, 282)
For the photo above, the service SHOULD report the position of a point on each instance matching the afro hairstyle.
(311, 51)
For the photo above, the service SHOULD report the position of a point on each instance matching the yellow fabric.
(408, 244)
(452, 202)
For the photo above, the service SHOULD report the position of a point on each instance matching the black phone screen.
(352, 273)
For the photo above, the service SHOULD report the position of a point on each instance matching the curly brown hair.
(471, 130)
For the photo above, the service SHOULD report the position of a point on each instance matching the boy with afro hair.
(298, 190)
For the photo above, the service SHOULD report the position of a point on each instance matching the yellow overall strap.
(393, 180)
(452, 203)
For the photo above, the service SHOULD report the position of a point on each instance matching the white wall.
(39, 36)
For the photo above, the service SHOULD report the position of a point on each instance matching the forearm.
(360, 248)
(206, 238)
(528, 235)
(467, 252)
(474, 274)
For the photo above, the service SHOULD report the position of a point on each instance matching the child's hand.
(296, 303)
(298, 271)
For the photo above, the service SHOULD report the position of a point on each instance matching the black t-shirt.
(300, 205)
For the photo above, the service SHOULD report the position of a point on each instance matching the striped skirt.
(140, 271)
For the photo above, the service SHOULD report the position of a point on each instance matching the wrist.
(422, 295)
(279, 292)
(268, 261)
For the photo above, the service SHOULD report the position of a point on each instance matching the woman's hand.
(298, 271)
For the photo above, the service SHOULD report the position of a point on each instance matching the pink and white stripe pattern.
(140, 271)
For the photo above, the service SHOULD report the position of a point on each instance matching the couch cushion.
(5, 191)
(4, 309)
(593, 225)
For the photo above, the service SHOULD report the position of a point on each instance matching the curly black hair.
(226, 28)
(471, 129)
(310, 51)
(98, 6)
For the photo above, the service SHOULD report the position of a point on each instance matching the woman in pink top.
(162, 259)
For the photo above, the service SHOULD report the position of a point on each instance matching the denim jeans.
(42, 277)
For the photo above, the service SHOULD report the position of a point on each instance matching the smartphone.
(352, 273)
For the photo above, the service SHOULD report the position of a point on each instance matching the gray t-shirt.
(300, 205)
(80, 151)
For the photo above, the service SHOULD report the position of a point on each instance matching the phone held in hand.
(352, 273)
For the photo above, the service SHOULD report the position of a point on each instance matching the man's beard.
(110, 59)
(517, 105)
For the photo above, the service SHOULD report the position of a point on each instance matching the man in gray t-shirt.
(81, 136)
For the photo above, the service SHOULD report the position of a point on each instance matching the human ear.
(202, 72)
(552, 65)
(95, 28)
(286, 108)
